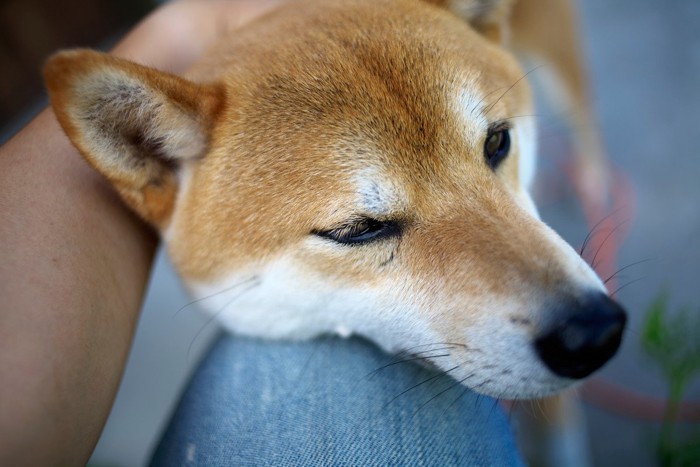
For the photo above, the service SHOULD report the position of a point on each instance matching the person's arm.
(74, 263)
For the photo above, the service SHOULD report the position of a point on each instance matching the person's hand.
(175, 35)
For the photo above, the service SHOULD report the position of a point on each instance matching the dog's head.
(354, 166)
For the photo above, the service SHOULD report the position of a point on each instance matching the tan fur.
(290, 123)
(345, 89)
(291, 138)
(291, 118)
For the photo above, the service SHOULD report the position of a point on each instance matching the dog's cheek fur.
(287, 299)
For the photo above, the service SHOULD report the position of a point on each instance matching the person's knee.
(332, 401)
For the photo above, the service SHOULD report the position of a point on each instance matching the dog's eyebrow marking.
(527, 150)
(470, 109)
(371, 197)
(375, 197)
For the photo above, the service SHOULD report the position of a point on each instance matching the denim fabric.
(329, 402)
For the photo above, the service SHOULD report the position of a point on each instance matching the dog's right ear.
(490, 17)
(133, 124)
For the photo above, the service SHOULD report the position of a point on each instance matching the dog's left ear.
(134, 124)
(489, 17)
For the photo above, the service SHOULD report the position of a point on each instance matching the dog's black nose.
(583, 341)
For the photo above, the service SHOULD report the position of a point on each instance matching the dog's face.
(353, 167)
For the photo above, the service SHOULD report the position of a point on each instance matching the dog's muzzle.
(585, 338)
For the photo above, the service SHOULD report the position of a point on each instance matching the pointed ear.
(133, 124)
(490, 17)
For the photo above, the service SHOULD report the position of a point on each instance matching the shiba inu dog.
(358, 166)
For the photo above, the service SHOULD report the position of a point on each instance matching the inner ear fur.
(490, 17)
(134, 124)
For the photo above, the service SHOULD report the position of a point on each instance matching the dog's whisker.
(410, 349)
(626, 285)
(541, 411)
(451, 386)
(476, 106)
(256, 282)
(605, 240)
(483, 383)
(416, 354)
(407, 360)
(496, 402)
(491, 106)
(432, 378)
(615, 274)
(513, 117)
(513, 405)
(593, 232)
(407, 357)
(215, 294)
(460, 396)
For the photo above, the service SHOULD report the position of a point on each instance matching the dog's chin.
(527, 389)
(504, 383)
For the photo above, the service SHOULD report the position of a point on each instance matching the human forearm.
(74, 267)
(74, 262)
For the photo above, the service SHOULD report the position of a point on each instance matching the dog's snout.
(589, 336)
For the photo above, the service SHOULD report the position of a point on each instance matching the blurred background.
(643, 59)
(30, 30)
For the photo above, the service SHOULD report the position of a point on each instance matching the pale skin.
(75, 261)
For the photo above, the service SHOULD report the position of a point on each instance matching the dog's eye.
(360, 231)
(497, 145)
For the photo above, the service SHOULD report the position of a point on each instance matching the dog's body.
(354, 167)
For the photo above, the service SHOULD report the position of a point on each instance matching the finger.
(174, 36)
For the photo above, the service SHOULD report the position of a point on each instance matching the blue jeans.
(330, 401)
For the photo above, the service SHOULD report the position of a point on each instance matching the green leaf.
(672, 340)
